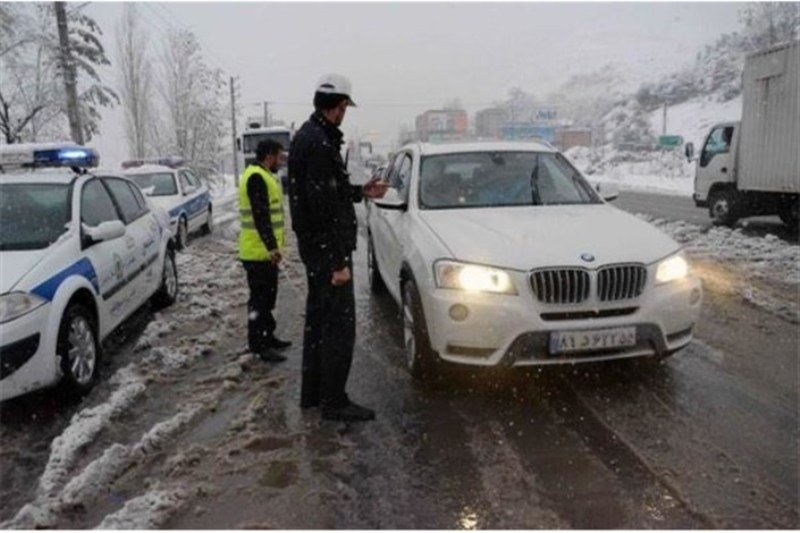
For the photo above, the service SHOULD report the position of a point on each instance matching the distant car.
(178, 191)
(501, 254)
(80, 252)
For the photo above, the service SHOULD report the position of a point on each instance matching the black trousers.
(328, 339)
(262, 279)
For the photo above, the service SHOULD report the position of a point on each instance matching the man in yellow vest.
(261, 245)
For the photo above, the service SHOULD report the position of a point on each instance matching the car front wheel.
(168, 292)
(208, 227)
(420, 358)
(78, 349)
(183, 234)
(376, 284)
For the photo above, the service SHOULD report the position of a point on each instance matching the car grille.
(573, 285)
(561, 286)
(620, 282)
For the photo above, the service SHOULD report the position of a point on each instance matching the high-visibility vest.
(251, 247)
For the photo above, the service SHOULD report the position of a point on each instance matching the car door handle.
(724, 170)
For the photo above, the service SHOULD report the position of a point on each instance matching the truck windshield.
(251, 140)
(33, 215)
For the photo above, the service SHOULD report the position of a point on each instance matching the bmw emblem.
(587, 257)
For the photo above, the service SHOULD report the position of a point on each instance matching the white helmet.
(336, 84)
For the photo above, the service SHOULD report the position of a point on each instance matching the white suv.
(79, 252)
(502, 254)
(178, 191)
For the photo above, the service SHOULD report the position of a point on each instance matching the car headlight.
(473, 278)
(15, 304)
(671, 269)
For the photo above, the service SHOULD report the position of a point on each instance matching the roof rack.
(172, 161)
(44, 155)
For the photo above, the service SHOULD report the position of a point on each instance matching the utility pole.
(233, 128)
(266, 114)
(68, 70)
(664, 126)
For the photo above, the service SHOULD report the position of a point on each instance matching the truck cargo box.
(769, 143)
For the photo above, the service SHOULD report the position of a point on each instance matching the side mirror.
(689, 151)
(105, 231)
(607, 191)
(392, 200)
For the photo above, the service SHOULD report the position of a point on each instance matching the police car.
(176, 189)
(79, 252)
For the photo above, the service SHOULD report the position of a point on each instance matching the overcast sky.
(404, 58)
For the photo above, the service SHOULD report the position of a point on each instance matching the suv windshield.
(33, 215)
(159, 184)
(498, 179)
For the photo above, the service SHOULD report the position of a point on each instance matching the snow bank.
(149, 511)
(693, 119)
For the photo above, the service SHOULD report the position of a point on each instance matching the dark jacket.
(259, 204)
(320, 195)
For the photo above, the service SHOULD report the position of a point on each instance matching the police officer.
(323, 217)
(261, 244)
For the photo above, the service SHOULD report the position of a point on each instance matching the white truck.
(253, 135)
(752, 167)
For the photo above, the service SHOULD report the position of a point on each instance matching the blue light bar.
(73, 156)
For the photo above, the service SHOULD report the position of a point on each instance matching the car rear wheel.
(168, 292)
(78, 349)
(182, 238)
(420, 358)
(208, 227)
(376, 284)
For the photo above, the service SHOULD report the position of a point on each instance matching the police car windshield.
(500, 179)
(158, 184)
(33, 215)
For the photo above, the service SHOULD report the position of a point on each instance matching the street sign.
(670, 141)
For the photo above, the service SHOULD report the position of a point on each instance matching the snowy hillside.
(693, 119)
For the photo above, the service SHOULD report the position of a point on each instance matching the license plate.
(592, 340)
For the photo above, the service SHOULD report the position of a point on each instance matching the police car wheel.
(183, 234)
(168, 292)
(78, 349)
(208, 227)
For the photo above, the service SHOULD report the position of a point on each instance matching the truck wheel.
(790, 216)
(723, 207)
(420, 358)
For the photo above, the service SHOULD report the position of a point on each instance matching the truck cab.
(255, 134)
(716, 166)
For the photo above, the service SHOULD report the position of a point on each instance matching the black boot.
(349, 413)
(271, 356)
(276, 343)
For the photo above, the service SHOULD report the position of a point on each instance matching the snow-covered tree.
(194, 104)
(135, 77)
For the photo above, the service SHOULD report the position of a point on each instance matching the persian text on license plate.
(592, 340)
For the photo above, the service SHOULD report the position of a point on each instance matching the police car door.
(195, 200)
(137, 258)
(107, 257)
